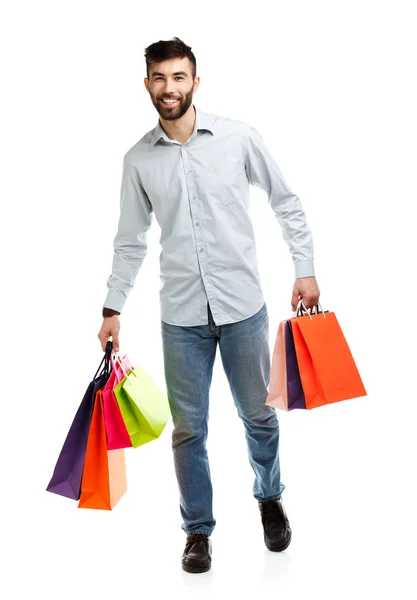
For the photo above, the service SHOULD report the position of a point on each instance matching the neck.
(181, 129)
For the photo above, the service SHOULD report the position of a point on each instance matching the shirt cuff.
(114, 300)
(304, 268)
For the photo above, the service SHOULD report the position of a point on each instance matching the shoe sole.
(278, 548)
(191, 569)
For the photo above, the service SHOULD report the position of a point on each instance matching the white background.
(330, 86)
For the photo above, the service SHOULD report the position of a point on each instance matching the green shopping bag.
(145, 409)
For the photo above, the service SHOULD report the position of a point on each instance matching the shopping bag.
(296, 397)
(104, 476)
(145, 409)
(67, 474)
(277, 391)
(116, 432)
(327, 369)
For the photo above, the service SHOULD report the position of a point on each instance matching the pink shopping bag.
(116, 432)
(278, 392)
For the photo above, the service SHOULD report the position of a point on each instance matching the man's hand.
(110, 327)
(307, 290)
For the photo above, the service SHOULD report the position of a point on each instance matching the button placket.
(199, 238)
(194, 212)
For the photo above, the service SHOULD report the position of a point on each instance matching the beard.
(177, 111)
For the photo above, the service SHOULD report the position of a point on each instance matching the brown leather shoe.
(196, 557)
(277, 530)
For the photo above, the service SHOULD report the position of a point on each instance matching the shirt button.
(197, 224)
(201, 249)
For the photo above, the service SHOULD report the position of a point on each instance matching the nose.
(169, 89)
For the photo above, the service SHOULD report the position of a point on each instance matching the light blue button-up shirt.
(199, 194)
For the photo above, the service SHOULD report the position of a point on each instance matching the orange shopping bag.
(327, 369)
(277, 392)
(104, 476)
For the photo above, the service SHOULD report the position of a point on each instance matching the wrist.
(109, 312)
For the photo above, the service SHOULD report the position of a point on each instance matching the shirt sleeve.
(130, 245)
(263, 171)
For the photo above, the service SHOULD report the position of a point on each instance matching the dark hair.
(163, 50)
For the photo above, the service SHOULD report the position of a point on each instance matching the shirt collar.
(202, 122)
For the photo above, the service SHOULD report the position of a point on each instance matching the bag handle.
(116, 357)
(301, 306)
(106, 360)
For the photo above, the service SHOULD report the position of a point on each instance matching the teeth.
(170, 101)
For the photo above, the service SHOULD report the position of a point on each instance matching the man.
(192, 171)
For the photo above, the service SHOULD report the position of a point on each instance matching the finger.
(308, 303)
(313, 300)
(294, 301)
(103, 342)
(115, 339)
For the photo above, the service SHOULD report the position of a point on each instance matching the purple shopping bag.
(67, 475)
(296, 397)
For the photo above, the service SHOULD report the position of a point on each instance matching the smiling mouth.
(170, 103)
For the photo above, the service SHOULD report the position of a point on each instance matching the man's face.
(171, 79)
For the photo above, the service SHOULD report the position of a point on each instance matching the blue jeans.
(189, 354)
